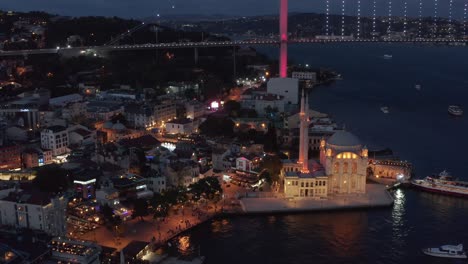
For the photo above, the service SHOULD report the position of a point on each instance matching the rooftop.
(29, 197)
(56, 129)
(143, 141)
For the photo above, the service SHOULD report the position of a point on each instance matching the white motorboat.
(384, 109)
(455, 110)
(446, 251)
(387, 56)
(417, 87)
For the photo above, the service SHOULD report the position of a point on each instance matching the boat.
(443, 183)
(417, 87)
(387, 56)
(446, 251)
(455, 110)
(384, 109)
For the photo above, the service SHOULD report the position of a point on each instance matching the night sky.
(147, 8)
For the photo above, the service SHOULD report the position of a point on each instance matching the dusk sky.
(146, 8)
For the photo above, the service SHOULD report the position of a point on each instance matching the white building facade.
(23, 210)
(55, 138)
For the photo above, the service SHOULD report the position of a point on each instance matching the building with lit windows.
(180, 126)
(342, 167)
(66, 250)
(55, 138)
(345, 160)
(34, 210)
(164, 112)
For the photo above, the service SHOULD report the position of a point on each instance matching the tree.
(52, 179)
(271, 140)
(190, 93)
(208, 186)
(273, 165)
(215, 126)
(232, 108)
(107, 213)
(140, 208)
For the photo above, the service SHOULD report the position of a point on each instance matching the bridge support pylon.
(283, 63)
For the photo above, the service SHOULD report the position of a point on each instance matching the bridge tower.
(283, 70)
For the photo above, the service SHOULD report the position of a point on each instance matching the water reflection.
(221, 226)
(184, 246)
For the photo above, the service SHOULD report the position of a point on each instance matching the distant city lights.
(214, 105)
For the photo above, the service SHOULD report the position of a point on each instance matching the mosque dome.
(344, 139)
(108, 125)
(118, 126)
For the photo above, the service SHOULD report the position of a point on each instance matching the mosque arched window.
(354, 167)
(336, 167)
(345, 167)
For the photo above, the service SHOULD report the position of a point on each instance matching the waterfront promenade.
(181, 219)
(376, 196)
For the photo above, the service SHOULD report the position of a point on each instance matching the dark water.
(418, 129)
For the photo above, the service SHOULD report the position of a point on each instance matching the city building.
(67, 250)
(305, 76)
(264, 103)
(287, 87)
(80, 135)
(182, 172)
(164, 112)
(345, 160)
(246, 124)
(157, 183)
(103, 110)
(140, 116)
(62, 101)
(35, 157)
(300, 179)
(55, 138)
(194, 109)
(179, 126)
(10, 157)
(34, 210)
(85, 187)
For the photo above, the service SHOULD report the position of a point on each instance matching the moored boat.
(455, 110)
(384, 109)
(417, 87)
(443, 183)
(388, 56)
(446, 251)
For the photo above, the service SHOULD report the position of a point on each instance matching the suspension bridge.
(352, 27)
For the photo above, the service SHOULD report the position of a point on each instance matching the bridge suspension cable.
(389, 28)
(450, 19)
(342, 18)
(327, 18)
(374, 11)
(420, 18)
(434, 24)
(464, 20)
(405, 17)
(358, 24)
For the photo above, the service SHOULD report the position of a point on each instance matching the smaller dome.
(344, 139)
(118, 126)
(108, 125)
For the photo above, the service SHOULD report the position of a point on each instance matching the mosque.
(342, 167)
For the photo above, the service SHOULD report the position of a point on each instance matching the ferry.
(387, 56)
(442, 183)
(384, 109)
(455, 110)
(446, 251)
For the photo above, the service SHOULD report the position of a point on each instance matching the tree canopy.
(207, 187)
(140, 208)
(52, 179)
(215, 126)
